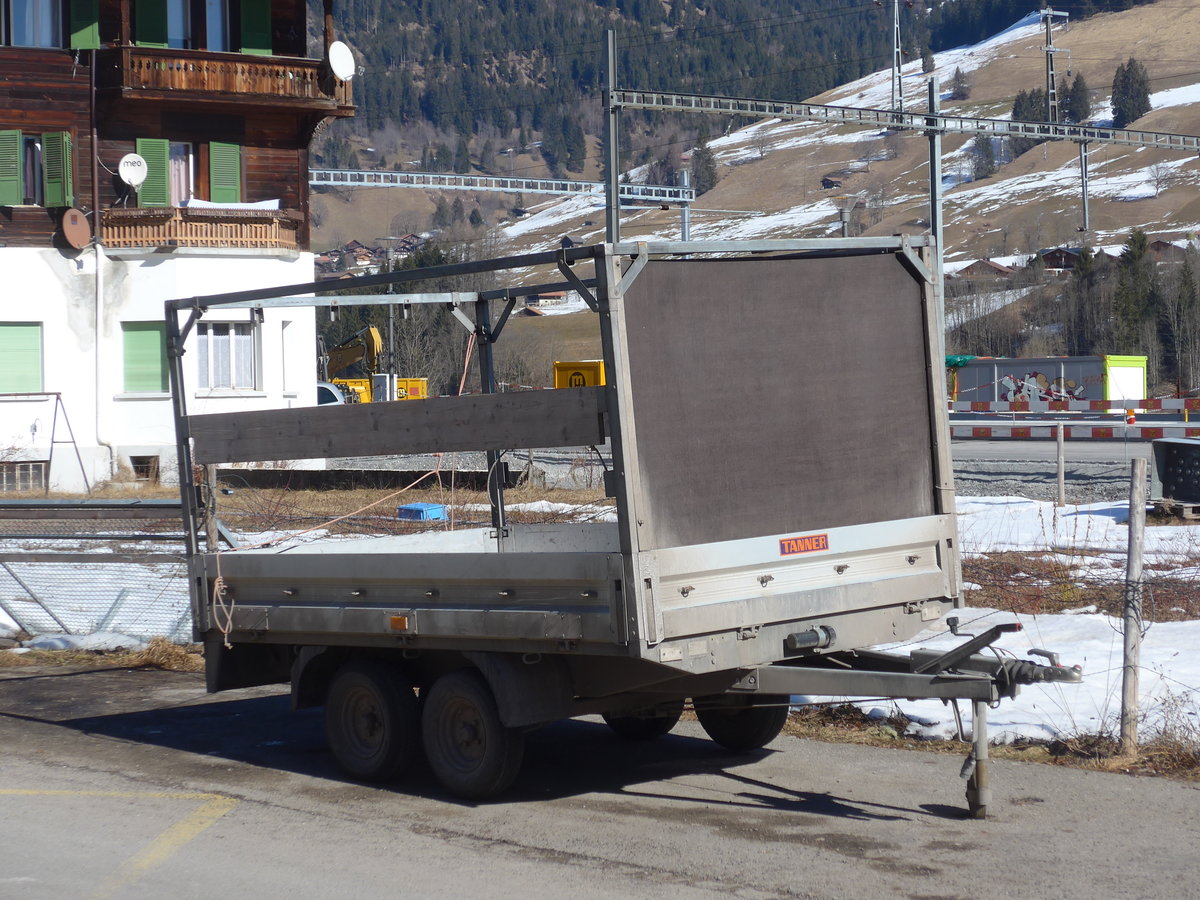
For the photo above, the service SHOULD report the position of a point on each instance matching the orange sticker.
(807, 543)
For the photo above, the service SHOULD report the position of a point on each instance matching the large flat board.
(570, 417)
(777, 396)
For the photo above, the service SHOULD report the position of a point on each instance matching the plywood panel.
(563, 418)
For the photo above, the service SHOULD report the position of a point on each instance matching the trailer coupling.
(1009, 672)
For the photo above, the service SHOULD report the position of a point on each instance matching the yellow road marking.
(159, 850)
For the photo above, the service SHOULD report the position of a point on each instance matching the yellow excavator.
(365, 347)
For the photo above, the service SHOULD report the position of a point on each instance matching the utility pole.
(612, 155)
(897, 59)
(1048, 16)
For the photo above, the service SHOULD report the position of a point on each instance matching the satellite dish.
(132, 169)
(75, 229)
(341, 61)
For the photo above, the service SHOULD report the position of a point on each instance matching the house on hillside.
(214, 103)
(984, 270)
(1063, 258)
(1169, 251)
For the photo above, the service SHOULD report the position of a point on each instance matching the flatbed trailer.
(773, 520)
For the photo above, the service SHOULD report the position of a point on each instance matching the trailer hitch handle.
(953, 657)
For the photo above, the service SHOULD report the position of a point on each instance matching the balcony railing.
(271, 229)
(224, 76)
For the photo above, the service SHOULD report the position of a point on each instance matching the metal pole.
(183, 436)
(1083, 183)
(1051, 88)
(685, 209)
(1062, 465)
(935, 205)
(611, 121)
(897, 60)
(979, 785)
(1133, 608)
(487, 383)
(391, 326)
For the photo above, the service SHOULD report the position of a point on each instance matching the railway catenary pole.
(612, 205)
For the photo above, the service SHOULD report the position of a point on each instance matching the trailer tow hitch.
(1008, 674)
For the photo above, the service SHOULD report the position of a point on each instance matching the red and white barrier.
(1075, 432)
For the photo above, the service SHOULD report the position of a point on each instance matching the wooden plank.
(569, 417)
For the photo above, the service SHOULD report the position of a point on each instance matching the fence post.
(1133, 608)
(1062, 465)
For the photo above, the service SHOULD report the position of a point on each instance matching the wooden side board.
(570, 417)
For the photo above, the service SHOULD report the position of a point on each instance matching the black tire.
(645, 728)
(470, 750)
(372, 720)
(736, 725)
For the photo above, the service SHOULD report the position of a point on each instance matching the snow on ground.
(1170, 671)
(1091, 537)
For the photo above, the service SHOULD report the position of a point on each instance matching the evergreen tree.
(1130, 93)
(457, 213)
(960, 86)
(476, 218)
(984, 163)
(462, 156)
(1079, 104)
(1029, 106)
(704, 169)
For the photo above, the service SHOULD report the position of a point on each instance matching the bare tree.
(1163, 175)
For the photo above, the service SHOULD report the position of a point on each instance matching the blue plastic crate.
(421, 512)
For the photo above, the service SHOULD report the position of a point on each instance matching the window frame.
(48, 157)
(38, 357)
(135, 369)
(209, 357)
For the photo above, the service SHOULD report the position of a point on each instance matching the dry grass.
(373, 511)
(1175, 753)
(160, 653)
(1046, 583)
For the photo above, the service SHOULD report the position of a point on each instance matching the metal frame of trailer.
(765, 532)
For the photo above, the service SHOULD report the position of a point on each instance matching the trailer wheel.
(737, 725)
(645, 728)
(372, 720)
(472, 753)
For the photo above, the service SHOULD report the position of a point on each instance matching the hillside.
(773, 170)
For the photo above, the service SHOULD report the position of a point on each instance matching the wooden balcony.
(268, 229)
(223, 79)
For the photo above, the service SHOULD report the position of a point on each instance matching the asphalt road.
(135, 784)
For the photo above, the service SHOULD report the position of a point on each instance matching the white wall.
(108, 424)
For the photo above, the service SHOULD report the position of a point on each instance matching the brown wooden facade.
(265, 103)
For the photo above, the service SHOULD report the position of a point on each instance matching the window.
(145, 468)
(171, 172)
(227, 355)
(20, 357)
(145, 357)
(216, 25)
(22, 476)
(35, 23)
(36, 170)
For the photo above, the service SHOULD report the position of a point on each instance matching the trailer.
(773, 521)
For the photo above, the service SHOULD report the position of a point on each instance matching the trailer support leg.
(979, 789)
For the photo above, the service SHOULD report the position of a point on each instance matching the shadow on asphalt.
(565, 759)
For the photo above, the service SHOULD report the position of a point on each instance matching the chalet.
(984, 270)
(1060, 257)
(207, 110)
(1169, 251)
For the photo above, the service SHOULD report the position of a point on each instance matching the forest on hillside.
(467, 79)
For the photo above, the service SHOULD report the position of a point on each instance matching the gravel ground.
(1086, 482)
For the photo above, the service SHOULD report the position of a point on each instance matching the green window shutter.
(256, 27)
(12, 190)
(155, 190)
(20, 357)
(85, 24)
(150, 23)
(225, 172)
(145, 357)
(57, 181)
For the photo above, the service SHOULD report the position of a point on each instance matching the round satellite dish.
(76, 230)
(341, 61)
(132, 169)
